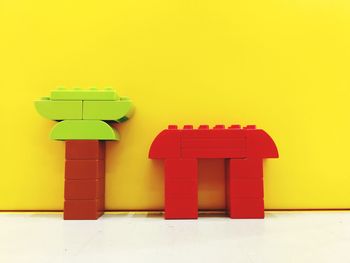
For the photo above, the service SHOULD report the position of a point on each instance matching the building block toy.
(83, 209)
(84, 169)
(181, 184)
(85, 150)
(100, 102)
(84, 178)
(246, 208)
(83, 95)
(60, 110)
(83, 130)
(243, 149)
(82, 115)
(83, 189)
(107, 110)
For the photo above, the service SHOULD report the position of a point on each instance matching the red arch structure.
(243, 149)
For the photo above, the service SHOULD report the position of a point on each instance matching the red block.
(213, 153)
(85, 169)
(180, 187)
(246, 168)
(84, 189)
(181, 168)
(246, 208)
(83, 209)
(85, 150)
(181, 208)
(213, 143)
(181, 197)
(246, 188)
(260, 144)
(167, 144)
(209, 143)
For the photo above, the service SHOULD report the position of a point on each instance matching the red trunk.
(84, 191)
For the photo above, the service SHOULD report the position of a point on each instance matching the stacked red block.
(181, 200)
(245, 195)
(84, 190)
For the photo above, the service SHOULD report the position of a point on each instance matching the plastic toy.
(244, 151)
(81, 115)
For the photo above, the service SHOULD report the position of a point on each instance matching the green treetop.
(82, 113)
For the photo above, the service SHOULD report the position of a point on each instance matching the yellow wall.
(283, 65)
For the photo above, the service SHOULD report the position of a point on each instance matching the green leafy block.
(82, 113)
(88, 94)
(119, 110)
(59, 110)
(83, 130)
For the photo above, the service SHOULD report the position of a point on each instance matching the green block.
(83, 130)
(88, 94)
(119, 110)
(60, 110)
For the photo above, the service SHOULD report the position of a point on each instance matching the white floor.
(281, 237)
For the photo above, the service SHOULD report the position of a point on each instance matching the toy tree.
(82, 116)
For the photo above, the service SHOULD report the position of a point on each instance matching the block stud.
(250, 127)
(219, 127)
(172, 127)
(235, 127)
